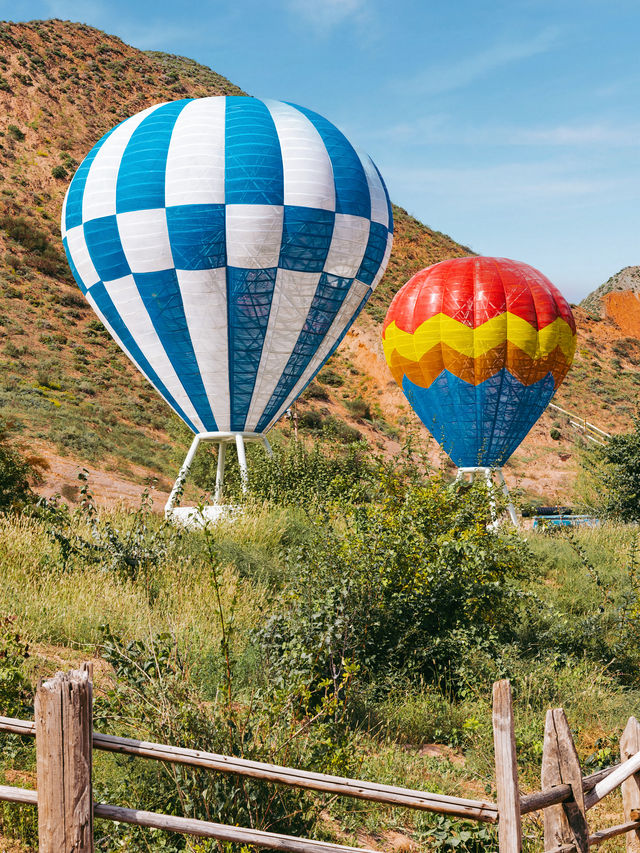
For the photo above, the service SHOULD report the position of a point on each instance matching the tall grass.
(244, 568)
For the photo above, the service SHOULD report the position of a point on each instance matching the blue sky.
(512, 126)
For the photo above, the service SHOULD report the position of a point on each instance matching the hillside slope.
(73, 392)
(619, 299)
(78, 400)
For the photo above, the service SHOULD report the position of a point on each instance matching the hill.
(75, 397)
(618, 298)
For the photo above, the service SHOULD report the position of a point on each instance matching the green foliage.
(315, 391)
(153, 695)
(296, 475)
(600, 623)
(307, 476)
(450, 836)
(415, 584)
(613, 475)
(359, 408)
(59, 172)
(42, 254)
(16, 473)
(15, 132)
(328, 376)
(132, 549)
(15, 690)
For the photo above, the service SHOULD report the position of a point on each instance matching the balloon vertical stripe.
(72, 209)
(102, 304)
(353, 197)
(253, 160)
(228, 243)
(141, 174)
(160, 294)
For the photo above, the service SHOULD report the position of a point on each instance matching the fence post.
(630, 745)
(64, 732)
(565, 823)
(504, 743)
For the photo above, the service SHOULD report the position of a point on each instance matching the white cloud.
(441, 129)
(325, 15)
(446, 77)
(575, 134)
(511, 183)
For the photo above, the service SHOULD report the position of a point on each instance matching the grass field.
(192, 646)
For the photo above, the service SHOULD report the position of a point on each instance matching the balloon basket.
(487, 474)
(194, 517)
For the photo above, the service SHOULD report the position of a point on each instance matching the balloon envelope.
(479, 346)
(227, 244)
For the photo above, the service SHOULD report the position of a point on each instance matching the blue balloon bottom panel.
(479, 424)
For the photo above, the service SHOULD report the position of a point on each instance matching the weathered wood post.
(565, 824)
(504, 743)
(64, 732)
(630, 745)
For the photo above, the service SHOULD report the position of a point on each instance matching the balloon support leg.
(198, 516)
(487, 475)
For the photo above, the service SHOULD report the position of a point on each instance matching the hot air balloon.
(227, 244)
(479, 346)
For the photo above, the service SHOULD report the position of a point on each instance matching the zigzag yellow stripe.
(477, 342)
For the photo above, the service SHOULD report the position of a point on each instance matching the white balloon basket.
(194, 517)
(197, 517)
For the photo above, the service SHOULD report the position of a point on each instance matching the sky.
(511, 125)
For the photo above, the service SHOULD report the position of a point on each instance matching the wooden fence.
(588, 430)
(65, 741)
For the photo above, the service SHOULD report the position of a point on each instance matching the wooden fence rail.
(65, 741)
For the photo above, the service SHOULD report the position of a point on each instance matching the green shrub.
(334, 427)
(314, 391)
(416, 584)
(306, 476)
(59, 172)
(15, 132)
(328, 376)
(16, 472)
(311, 419)
(611, 475)
(359, 408)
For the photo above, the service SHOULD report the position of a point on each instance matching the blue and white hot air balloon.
(227, 244)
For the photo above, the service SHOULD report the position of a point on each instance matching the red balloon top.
(473, 290)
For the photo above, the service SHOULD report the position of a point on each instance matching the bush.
(296, 474)
(334, 427)
(59, 172)
(416, 585)
(15, 132)
(359, 408)
(17, 472)
(328, 376)
(152, 695)
(612, 475)
(314, 391)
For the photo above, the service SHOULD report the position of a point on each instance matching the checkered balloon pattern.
(227, 244)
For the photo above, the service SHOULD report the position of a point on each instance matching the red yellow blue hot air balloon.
(479, 346)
